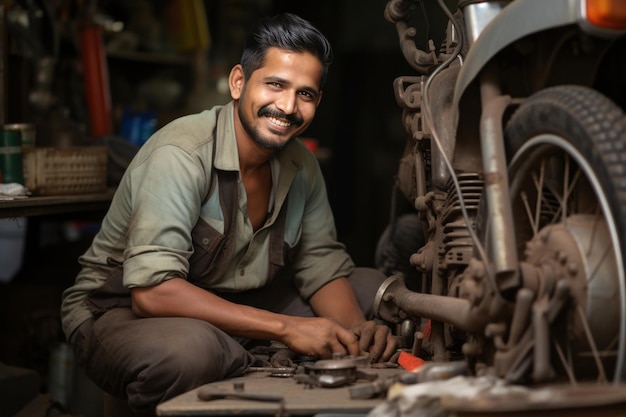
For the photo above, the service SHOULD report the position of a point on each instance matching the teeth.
(279, 122)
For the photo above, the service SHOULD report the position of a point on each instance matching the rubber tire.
(595, 127)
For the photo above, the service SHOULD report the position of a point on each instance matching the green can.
(11, 164)
(26, 131)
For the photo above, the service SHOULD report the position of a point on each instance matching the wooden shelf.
(48, 205)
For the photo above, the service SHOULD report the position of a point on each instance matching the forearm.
(178, 298)
(337, 300)
(308, 335)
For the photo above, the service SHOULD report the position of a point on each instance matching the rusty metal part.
(340, 368)
(394, 301)
(397, 12)
(331, 373)
(501, 230)
(557, 265)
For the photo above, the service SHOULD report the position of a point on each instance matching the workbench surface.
(298, 399)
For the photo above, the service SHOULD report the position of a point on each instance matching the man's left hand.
(375, 339)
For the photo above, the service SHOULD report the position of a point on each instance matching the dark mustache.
(291, 118)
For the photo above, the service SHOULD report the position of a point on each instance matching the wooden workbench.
(298, 399)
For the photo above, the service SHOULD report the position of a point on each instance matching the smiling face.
(278, 101)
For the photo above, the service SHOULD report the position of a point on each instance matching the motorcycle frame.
(475, 96)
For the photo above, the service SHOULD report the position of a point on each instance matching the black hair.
(286, 31)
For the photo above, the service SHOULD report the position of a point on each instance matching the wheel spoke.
(539, 185)
(594, 271)
(566, 362)
(573, 186)
(592, 345)
(596, 222)
(529, 213)
(565, 188)
(542, 193)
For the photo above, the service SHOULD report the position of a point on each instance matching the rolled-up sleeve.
(166, 192)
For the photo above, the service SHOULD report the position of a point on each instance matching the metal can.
(26, 131)
(11, 164)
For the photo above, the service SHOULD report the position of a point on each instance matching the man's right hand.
(319, 337)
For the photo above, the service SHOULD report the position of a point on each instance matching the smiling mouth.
(278, 122)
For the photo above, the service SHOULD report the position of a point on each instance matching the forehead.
(291, 66)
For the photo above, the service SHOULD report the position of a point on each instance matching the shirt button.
(242, 272)
(205, 241)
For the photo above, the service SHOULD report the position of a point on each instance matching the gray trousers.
(149, 360)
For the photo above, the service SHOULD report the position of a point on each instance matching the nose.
(287, 102)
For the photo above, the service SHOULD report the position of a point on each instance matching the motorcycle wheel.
(567, 147)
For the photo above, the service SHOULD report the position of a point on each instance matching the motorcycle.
(515, 169)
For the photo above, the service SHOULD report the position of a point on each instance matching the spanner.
(210, 393)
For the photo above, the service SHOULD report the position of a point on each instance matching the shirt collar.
(226, 154)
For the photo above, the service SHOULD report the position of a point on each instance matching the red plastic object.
(426, 331)
(96, 80)
(410, 362)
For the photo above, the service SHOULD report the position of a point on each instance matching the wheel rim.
(530, 164)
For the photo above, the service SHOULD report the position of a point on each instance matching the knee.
(196, 357)
(368, 279)
(185, 359)
(366, 282)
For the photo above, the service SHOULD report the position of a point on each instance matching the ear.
(236, 81)
(319, 98)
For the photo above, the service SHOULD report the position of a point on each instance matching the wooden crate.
(63, 171)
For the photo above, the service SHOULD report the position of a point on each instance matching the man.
(220, 232)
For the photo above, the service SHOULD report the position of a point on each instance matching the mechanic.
(220, 232)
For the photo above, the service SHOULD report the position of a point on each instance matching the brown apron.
(212, 252)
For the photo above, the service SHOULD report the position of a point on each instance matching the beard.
(255, 132)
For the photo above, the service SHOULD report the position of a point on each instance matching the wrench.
(210, 394)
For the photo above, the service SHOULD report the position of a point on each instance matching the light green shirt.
(163, 193)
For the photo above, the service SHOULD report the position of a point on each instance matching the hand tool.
(208, 393)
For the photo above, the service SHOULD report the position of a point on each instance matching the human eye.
(307, 95)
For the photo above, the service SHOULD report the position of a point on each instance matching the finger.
(380, 343)
(349, 341)
(366, 335)
(390, 349)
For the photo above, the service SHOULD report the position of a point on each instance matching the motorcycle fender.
(517, 20)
